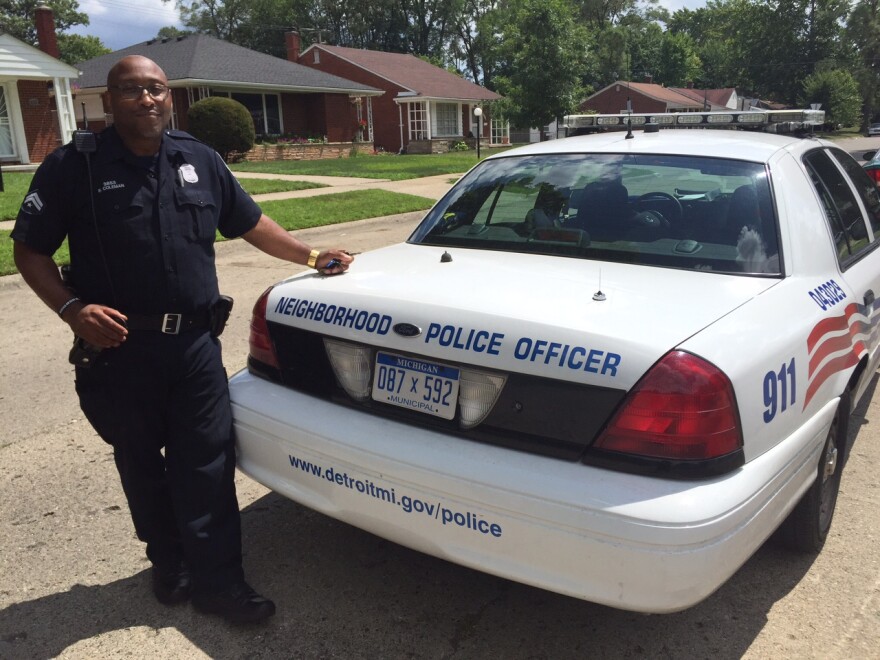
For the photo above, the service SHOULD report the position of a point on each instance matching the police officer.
(140, 215)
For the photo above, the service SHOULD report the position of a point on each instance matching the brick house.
(424, 108)
(645, 97)
(284, 98)
(36, 100)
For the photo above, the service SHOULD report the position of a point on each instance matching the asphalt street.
(74, 582)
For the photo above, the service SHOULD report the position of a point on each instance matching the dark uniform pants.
(170, 391)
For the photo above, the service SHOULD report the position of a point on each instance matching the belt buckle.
(171, 324)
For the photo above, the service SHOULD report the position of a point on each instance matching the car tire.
(807, 526)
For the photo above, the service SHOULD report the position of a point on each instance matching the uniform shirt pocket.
(124, 215)
(198, 211)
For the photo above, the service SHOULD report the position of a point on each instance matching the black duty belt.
(169, 324)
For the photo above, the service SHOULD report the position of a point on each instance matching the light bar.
(689, 118)
(775, 121)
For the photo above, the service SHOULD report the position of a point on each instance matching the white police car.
(603, 366)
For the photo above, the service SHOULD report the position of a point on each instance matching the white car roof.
(751, 146)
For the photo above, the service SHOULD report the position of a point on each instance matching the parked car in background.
(873, 130)
(872, 165)
(603, 366)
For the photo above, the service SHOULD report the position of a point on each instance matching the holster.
(219, 315)
(83, 354)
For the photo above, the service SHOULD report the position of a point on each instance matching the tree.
(17, 17)
(678, 63)
(838, 92)
(420, 27)
(863, 37)
(599, 14)
(76, 48)
(763, 47)
(543, 50)
(473, 40)
(171, 32)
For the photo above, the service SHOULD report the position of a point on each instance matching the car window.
(686, 212)
(841, 208)
(866, 188)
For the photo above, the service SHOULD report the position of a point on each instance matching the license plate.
(419, 385)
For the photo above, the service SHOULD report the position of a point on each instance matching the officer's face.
(139, 121)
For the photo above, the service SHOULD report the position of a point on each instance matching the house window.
(418, 121)
(446, 117)
(265, 110)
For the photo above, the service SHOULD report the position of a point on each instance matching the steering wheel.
(667, 202)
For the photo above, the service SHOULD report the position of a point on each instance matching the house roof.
(199, 59)
(657, 92)
(412, 73)
(19, 60)
(719, 97)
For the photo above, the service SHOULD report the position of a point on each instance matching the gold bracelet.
(313, 259)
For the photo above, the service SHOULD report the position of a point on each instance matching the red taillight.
(261, 347)
(683, 409)
(874, 173)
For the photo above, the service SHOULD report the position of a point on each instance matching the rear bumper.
(623, 540)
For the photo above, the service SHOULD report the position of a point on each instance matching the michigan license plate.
(419, 385)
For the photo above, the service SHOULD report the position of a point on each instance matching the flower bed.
(303, 151)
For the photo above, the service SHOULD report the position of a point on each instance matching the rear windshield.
(684, 212)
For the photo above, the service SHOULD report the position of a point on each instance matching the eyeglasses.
(134, 92)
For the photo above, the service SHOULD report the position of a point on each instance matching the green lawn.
(341, 207)
(380, 166)
(7, 265)
(292, 214)
(15, 187)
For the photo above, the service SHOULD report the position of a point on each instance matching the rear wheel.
(806, 527)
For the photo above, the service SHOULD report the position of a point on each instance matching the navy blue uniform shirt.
(157, 219)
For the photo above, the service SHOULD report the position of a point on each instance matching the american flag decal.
(838, 343)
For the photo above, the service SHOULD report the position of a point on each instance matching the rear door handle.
(869, 298)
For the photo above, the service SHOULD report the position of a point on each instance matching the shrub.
(459, 146)
(224, 124)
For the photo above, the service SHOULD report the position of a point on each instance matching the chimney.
(649, 79)
(44, 20)
(291, 40)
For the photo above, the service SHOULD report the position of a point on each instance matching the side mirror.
(868, 155)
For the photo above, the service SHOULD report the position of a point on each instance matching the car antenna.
(599, 296)
(629, 120)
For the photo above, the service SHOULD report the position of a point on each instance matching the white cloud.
(122, 23)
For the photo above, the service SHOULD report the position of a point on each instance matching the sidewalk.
(432, 187)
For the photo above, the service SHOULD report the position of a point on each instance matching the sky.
(122, 23)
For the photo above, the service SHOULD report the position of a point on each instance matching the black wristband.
(64, 307)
